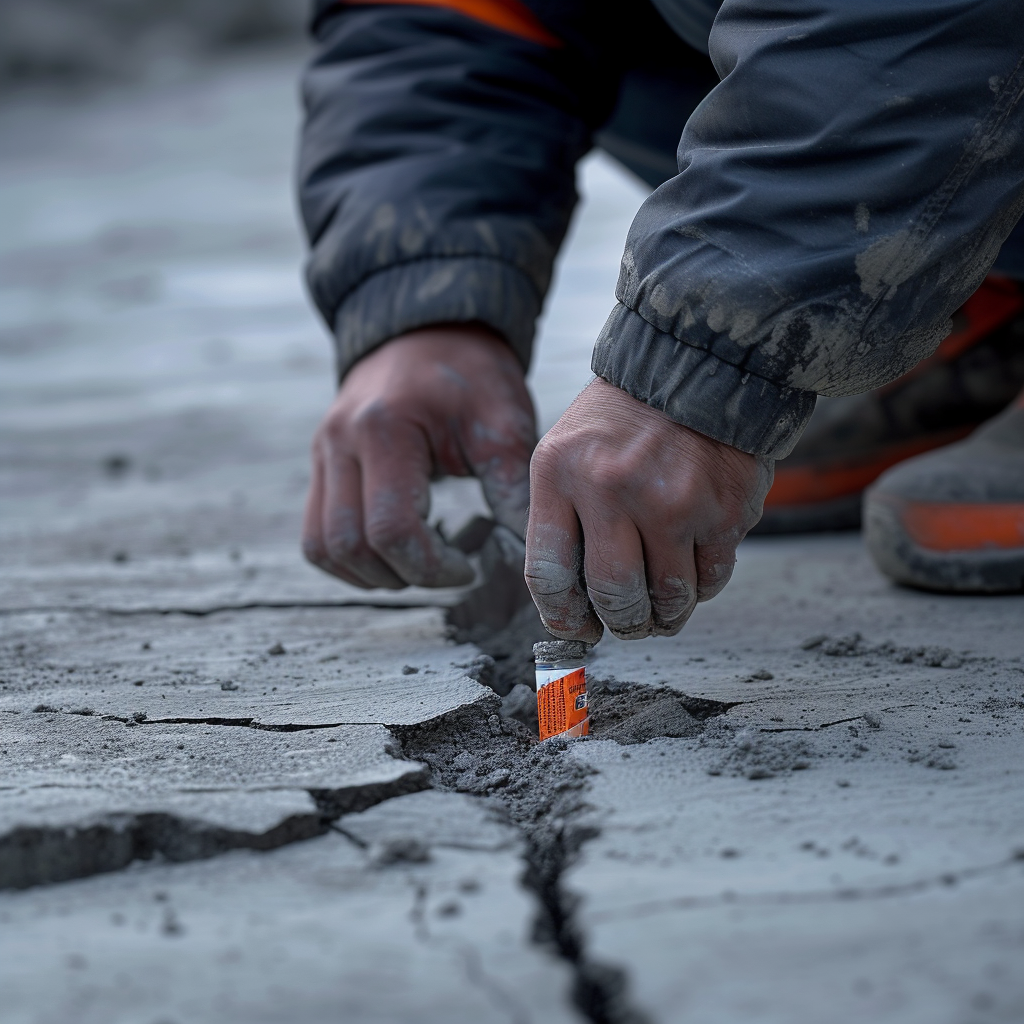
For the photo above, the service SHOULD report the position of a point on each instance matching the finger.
(349, 553)
(499, 456)
(714, 563)
(671, 581)
(616, 582)
(396, 468)
(314, 547)
(554, 569)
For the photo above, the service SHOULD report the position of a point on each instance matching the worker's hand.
(633, 518)
(441, 401)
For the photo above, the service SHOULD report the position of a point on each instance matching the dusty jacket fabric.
(838, 194)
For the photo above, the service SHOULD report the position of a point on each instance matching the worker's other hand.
(441, 401)
(634, 518)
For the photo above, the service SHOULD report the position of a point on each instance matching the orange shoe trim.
(509, 16)
(812, 484)
(963, 526)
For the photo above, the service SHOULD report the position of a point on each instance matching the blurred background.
(76, 39)
(161, 369)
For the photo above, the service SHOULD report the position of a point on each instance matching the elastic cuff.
(697, 389)
(458, 289)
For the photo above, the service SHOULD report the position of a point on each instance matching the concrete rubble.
(233, 789)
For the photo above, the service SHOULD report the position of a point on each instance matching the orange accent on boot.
(811, 484)
(509, 16)
(962, 526)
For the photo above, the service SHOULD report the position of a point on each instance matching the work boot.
(953, 520)
(972, 376)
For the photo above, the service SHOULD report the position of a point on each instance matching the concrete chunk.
(82, 794)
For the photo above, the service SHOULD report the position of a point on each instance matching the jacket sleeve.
(840, 193)
(437, 171)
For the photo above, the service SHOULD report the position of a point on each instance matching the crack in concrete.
(234, 723)
(476, 975)
(823, 725)
(199, 613)
(730, 899)
(498, 996)
(471, 749)
(41, 855)
(542, 793)
(230, 723)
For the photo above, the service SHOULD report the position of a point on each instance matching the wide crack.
(542, 790)
(491, 750)
(542, 793)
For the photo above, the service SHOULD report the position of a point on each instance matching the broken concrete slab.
(315, 932)
(81, 794)
(186, 736)
(282, 668)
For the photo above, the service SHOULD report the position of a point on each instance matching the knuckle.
(610, 477)
(671, 595)
(545, 460)
(372, 419)
(342, 538)
(633, 631)
(333, 431)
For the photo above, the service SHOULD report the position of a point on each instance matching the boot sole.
(991, 570)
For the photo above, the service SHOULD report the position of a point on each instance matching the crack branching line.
(243, 606)
(355, 840)
(495, 993)
(230, 723)
(814, 728)
(839, 895)
(542, 792)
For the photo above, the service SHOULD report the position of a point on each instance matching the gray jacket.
(838, 193)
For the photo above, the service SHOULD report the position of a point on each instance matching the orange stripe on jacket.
(510, 16)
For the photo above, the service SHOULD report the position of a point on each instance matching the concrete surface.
(233, 789)
(317, 932)
(846, 843)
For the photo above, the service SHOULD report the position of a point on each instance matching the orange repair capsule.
(562, 702)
